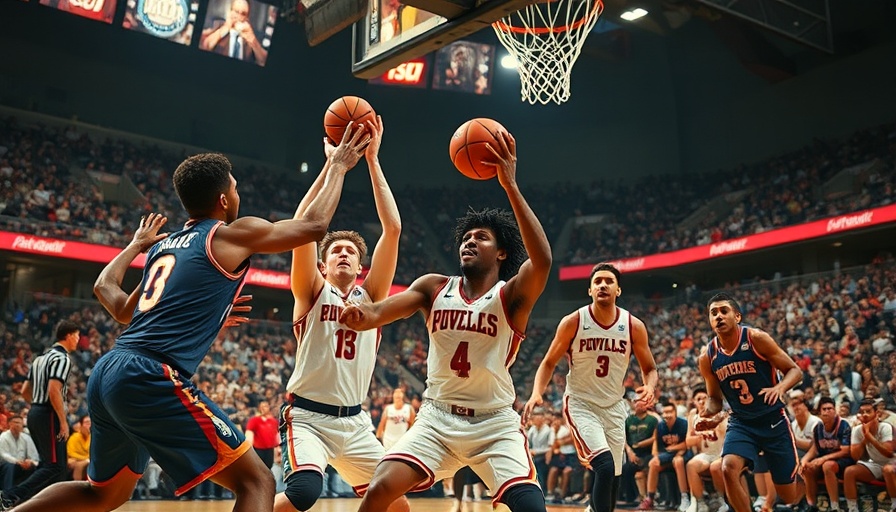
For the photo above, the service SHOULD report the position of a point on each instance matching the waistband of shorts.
(460, 410)
(340, 411)
(155, 356)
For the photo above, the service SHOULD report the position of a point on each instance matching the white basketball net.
(546, 38)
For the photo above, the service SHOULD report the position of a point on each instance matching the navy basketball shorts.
(769, 434)
(142, 408)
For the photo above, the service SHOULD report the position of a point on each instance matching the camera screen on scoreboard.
(464, 66)
(166, 19)
(239, 29)
(100, 10)
(389, 23)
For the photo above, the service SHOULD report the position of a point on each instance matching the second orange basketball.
(468, 148)
(344, 110)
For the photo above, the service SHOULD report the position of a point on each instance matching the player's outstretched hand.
(356, 317)
(375, 129)
(506, 159)
(705, 423)
(148, 233)
(772, 395)
(646, 394)
(354, 141)
(239, 306)
(534, 401)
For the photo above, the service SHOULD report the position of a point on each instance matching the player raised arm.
(108, 285)
(303, 280)
(418, 297)
(384, 259)
(245, 236)
(641, 350)
(523, 289)
(566, 331)
(766, 347)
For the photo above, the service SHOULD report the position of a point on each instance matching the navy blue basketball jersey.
(185, 298)
(742, 374)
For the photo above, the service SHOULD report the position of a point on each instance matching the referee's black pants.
(43, 425)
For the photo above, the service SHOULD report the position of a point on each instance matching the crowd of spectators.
(43, 191)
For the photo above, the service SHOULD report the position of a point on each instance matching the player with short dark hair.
(140, 396)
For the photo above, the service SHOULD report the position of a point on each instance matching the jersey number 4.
(155, 284)
(460, 362)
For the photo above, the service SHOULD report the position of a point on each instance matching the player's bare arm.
(884, 447)
(712, 414)
(693, 438)
(523, 289)
(566, 331)
(304, 280)
(235, 242)
(418, 297)
(107, 287)
(767, 347)
(641, 349)
(384, 259)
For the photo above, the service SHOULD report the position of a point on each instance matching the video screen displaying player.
(464, 66)
(239, 29)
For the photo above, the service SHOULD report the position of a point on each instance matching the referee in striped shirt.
(47, 423)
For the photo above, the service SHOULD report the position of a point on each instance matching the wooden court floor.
(326, 505)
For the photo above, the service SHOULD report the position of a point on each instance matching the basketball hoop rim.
(596, 10)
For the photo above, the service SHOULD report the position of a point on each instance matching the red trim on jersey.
(510, 483)
(290, 449)
(460, 290)
(203, 417)
(437, 291)
(573, 339)
(721, 349)
(507, 315)
(584, 453)
(750, 341)
(414, 461)
(532, 477)
(214, 262)
(123, 471)
(796, 455)
(513, 350)
(301, 323)
(602, 326)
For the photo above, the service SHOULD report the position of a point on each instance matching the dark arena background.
(741, 146)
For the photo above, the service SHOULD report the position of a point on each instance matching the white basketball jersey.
(396, 423)
(334, 364)
(471, 348)
(711, 444)
(598, 358)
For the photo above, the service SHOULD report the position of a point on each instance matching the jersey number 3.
(155, 284)
(743, 389)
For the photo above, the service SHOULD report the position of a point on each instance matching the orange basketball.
(468, 147)
(343, 110)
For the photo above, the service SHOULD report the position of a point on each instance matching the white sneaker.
(723, 507)
(757, 505)
(702, 506)
(588, 509)
(693, 505)
(685, 503)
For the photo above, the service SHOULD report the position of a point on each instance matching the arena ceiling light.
(633, 14)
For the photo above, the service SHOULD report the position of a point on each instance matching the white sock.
(835, 505)
(852, 505)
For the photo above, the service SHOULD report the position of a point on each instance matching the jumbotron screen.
(239, 29)
(166, 19)
(100, 10)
